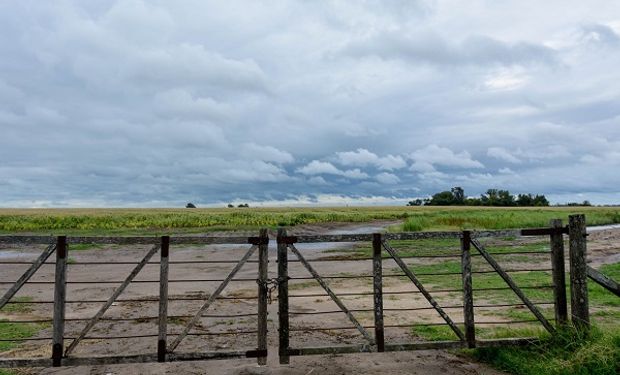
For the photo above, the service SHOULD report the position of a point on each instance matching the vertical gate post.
(558, 270)
(283, 321)
(60, 295)
(578, 272)
(468, 293)
(377, 273)
(163, 299)
(263, 264)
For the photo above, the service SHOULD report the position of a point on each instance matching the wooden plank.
(544, 231)
(332, 295)
(211, 299)
(377, 282)
(427, 345)
(603, 281)
(28, 274)
(283, 317)
(558, 271)
(128, 240)
(420, 235)
(263, 266)
(128, 359)
(423, 290)
(163, 299)
(111, 300)
(468, 294)
(515, 341)
(512, 285)
(365, 348)
(580, 314)
(60, 296)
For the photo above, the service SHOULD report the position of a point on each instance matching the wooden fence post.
(377, 273)
(60, 295)
(558, 270)
(263, 266)
(578, 272)
(468, 294)
(283, 321)
(163, 299)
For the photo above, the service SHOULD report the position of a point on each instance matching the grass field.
(128, 221)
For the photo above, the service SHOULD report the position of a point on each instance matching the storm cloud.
(135, 103)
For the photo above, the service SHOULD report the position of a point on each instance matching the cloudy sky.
(136, 103)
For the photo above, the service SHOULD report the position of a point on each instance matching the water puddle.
(597, 228)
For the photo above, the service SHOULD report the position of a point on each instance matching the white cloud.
(322, 167)
(319, 167)
(387, 178)
(265, 153)
(502, 154)
(426, 158)
(362, 157)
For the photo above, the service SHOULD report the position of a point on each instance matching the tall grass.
(415, 218)
(567, 352)
(485, 218)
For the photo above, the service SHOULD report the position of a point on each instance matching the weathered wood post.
(468, 294)
(263, 266)
(578, 272)
(377, 272)
(558, 271)
(60, 295)
(283, 319)
(163, 299)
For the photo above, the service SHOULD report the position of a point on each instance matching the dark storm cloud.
(134, 103)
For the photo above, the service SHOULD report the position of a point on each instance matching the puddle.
(597, 228)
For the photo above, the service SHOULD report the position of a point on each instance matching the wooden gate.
(164, 350)
(457, 315)
(464, 329)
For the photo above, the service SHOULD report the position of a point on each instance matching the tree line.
(493, 197)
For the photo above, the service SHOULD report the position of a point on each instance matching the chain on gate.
(271, 284)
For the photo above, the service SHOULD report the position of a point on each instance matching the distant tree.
(540, 200)
(444, 198)
(190, 205)
(230, 205)
(525, 200)
(415, 202)
(459, 195)
(243, 205)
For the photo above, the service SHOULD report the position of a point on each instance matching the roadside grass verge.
(567, 352)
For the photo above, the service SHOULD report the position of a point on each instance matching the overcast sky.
(159, 103)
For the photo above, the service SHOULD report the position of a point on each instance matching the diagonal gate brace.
(333, 296)
(512, 285)
(27, 275)
(211, 299)
(423, 290)
(112, 298)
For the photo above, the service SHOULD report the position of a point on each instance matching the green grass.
(10, 331)
(18, 308)
(567, 352)
(85, 246)
(503, 218)
(158, 221)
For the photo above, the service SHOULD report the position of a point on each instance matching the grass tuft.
(568, 352)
